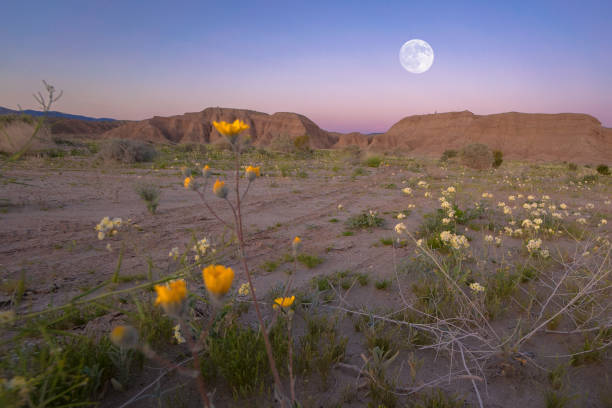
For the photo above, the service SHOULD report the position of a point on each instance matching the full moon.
(416, 56)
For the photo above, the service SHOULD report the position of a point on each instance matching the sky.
(336, 62)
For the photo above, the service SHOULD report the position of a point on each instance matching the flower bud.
(206, 171)
(124, 337)
(220, 189)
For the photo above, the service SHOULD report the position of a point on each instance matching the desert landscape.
(430, 271)
(306, 204)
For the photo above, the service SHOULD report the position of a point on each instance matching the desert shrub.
(149, 193)
(282, 143)
(67, 372)
(589, 179)
(448, 154)
(498, 158)
(351, 154)
(477, 156)
(437, 399)
(373, 161)
(321, 347)
(16, 134)
(302, 143)
(365, 220)
(572, 166)
(603, 169)
(128, 151)
(220, 145)
(12, 118)
(238, 355)
(309, 261)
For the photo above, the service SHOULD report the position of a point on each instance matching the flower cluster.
(201, 247)
(477, 287)
(108, 227)
(454, 240)
(245, 289)
(174, 253)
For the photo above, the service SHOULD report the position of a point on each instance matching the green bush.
(448, 154)
(365, 220)
(373, 161)
(302, 143)
(320, 348)
(477, 156)
(603, 169)
(572, 166)
(128, 151)
(149, 193)
(238, 355)
(498, 158)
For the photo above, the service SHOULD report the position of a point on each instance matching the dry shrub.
(127, 151)
(16, 132)
(221, 145)
(477, 156)
(282, 143)
(351, 155)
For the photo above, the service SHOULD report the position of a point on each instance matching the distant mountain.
(571, 137)
(53, 114)
(197, 127)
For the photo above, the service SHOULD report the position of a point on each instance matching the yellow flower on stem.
(283, 302)
(124, 336)
(296, 243)
(171, 296)
(218, 279)
(206, 171)
(220, 189)
(252, 172)
(188, 181)
(230, 129)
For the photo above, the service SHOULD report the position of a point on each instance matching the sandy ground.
(47, 236)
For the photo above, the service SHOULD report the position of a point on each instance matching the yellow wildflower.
(230, 129)
(188, 181)
(283, 302)
(124, 336)
(171, 296)
(206, 170)
(252, 172)
(296, 243)
(220, 189)
(218, 279)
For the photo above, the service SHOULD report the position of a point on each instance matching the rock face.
(197, 128)
(68, 126)
(353, 139)
(565, 136)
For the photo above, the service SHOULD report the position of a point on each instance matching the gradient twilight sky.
(333, 61)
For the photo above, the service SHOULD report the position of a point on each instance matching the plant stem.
(239, 232)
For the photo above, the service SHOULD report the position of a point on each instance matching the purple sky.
(335, 62)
